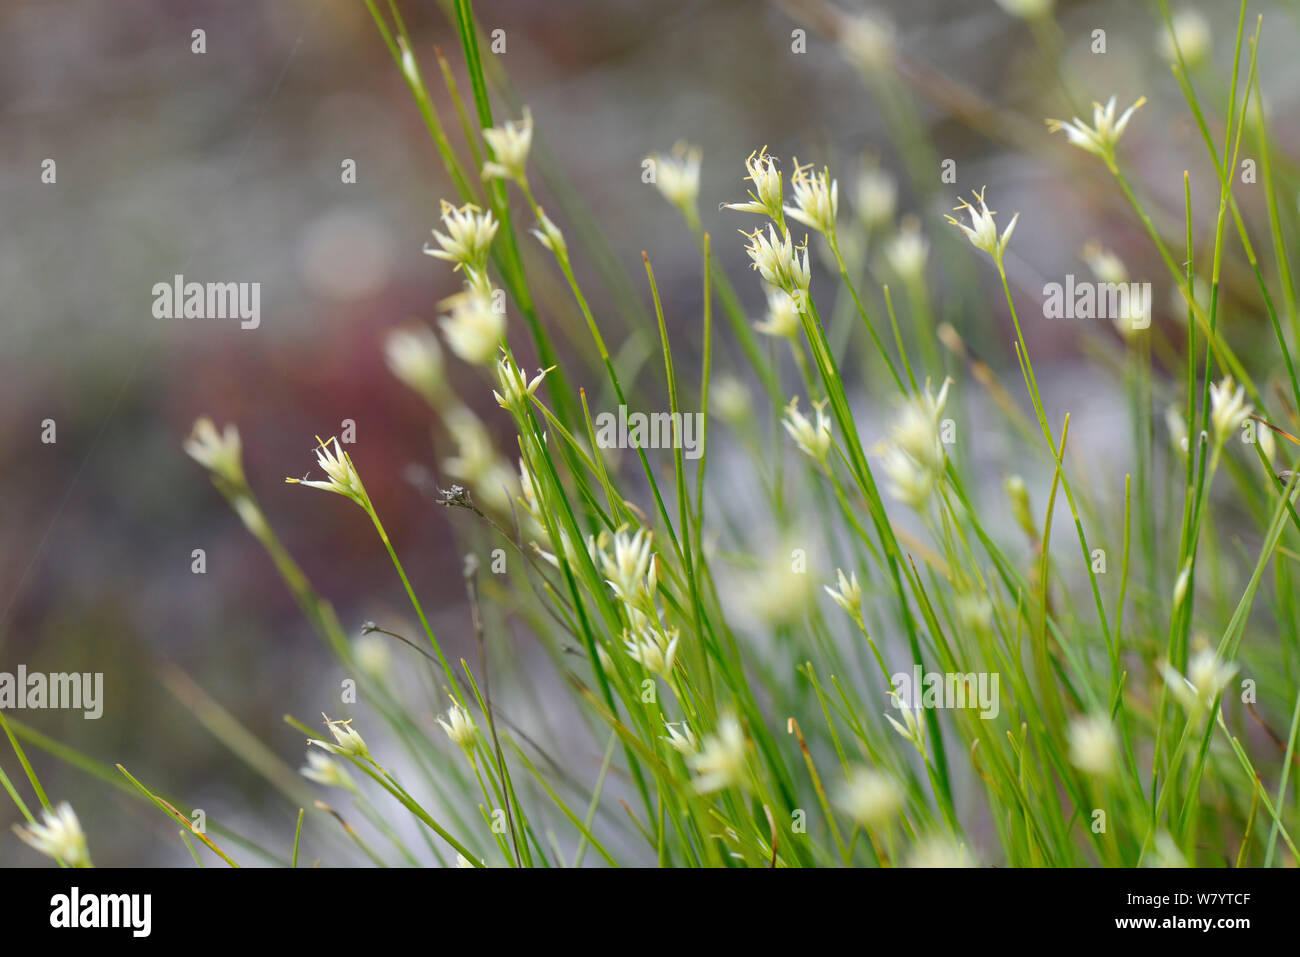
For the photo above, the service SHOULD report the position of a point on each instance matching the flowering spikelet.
(782, 319)
(515, 389)
(325, 770)
(816, 199)
(510, 145)
(875, 197)
(468, 238)
(655, 650)
(914, 461)
(849, 594)
(630, 569)
(813, 439)
(870, 797)
(1192, 34)
(982, 231)
(765, 197)
(907, 250)
(218, 452)
(475, 328)
(677, 177)
(1228, 408)
(459, 726)
(341, 475)
(1100, 138)
(58, 835)
(346, 741)
(911, 728)
(720, 761)
(939, 851)
(683, 742)
(414, 356)
(1207, 676)
(1093, 745)
(778, 260)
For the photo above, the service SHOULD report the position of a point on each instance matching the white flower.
(912, 727)
(816, 198)
(59, 835)
(463, 861)
(218, 452)
(778, 594)
(778, 260)
(468, 238)
(782, 315)
(631, 569)
(1105, 265)
(677, 177)
(459, 726)
(875, 197)
(983, 232)
(515, 390)
(1192, 33)
(731, 400)
(907, 250)
(1026, 9)
(917, 431)
(765, 197)
(655, 650)
(1100, 138)
(720, 761)
(341, 475)
(1177, 427)
(867, 42)
(849, 594)
(346, 741)
(373, 655)
(477, 454)
(1228, 408)
(1165, 852)
(814, 440)
(974, 612)
(475, 328)
(683, 742)
(909, 482)
(1207, 676)
(938, 851)
(871, 798)
(1093, 745)
(414, 356)
(325, 770)
(549, 235)
(510, 145)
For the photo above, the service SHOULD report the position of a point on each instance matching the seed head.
(468, 238)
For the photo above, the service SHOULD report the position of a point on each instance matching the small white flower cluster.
(915, 458)
(58, 835)
(813, 436)
(630, 567)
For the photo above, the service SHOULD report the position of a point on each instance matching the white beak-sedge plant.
(723, 710)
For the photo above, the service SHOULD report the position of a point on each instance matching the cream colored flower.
(906, 251)
(778, 260)
(58, 835)
(510, 146)
(1192, 32)
(346, 741)
(414, 356)
(875, 197)
(683, 742)
(1207, 676)
(1100, 138)
(515, 389)
(218, 452)
(871, 798)
(782, 319)
(459, 726)
(1228, 408)
(340, 474)
(813, 438)
(849, 594)
(983, 232)
(468, 238)
(816, 199)
(325, 770)
(720, 762)
(765, 197)
(1093, 745)
(677, 177)
(939, 851)
(475, 328)
(655, 650)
